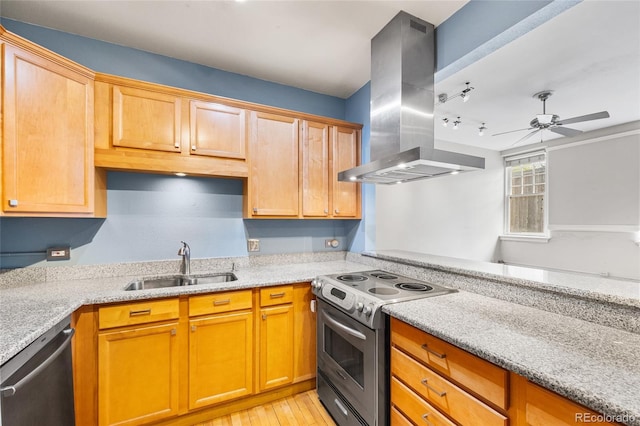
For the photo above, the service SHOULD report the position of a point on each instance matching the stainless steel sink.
(180, 280)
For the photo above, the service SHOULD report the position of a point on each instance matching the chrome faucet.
(185, 252)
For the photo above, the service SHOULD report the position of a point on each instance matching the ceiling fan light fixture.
(545, 118)
(445, 122)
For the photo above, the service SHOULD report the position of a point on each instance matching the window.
(526, 194)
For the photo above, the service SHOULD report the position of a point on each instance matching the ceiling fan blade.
(512, 131)
(588, 117)
(526, 137)
(565, 131)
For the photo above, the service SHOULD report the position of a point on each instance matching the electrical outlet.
(333, 243)
(253, 244)
(58, 253)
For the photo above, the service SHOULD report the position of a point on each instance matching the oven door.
(347, 359)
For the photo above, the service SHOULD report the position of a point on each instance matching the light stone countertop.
(28, 311)
(612, 290)
(590, 363)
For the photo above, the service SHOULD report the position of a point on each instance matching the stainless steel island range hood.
(402, 103)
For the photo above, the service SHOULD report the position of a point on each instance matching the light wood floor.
(303, 409)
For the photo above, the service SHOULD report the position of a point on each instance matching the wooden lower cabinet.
(138, 374)
(220, 358)
(185, 360)
(276, 342)
(436, 383)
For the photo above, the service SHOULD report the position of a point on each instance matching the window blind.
(531, 157)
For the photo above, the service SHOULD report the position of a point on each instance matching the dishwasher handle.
(12, 390)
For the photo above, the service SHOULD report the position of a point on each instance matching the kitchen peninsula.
(594, 364)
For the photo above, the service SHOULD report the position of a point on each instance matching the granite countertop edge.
(409, 258)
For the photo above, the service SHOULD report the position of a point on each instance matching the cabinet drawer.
(279, 295)
(441, 393)
(397, 419)
(479, 376)
(548, 408)
(219, 302)
(414, 407)
(137, 313)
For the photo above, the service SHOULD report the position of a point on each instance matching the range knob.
(367, 310)
(316, 284)
(359, 306)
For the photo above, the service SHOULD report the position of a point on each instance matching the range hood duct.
(402, 103)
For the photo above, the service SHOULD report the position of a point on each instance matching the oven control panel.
(352, 303)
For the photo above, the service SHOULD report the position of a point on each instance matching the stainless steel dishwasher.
(36, 385)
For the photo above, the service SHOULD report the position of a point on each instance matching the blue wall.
(149, 214)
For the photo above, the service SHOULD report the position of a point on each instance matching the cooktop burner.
(351, 278)
(383, 290)
(383, 276)
(414, 287)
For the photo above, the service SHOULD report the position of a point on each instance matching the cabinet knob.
(176, 145)
(174, 331)
(255, 210)
(13, 203)
(264, 316)
(326, 211)
(193, 147)
(337, 211)
(194, 327)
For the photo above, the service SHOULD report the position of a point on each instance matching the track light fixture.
(445, 122)
(465, 94)
(456, 124)
(481, 130)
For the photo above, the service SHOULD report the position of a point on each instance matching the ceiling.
(588, 55)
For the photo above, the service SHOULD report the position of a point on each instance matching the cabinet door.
(220, 358)
(276, 346)
(47, 148)
(315, 169)
(304, 332)
(345, 155)
(217, 130)
(273, 179)
(138, 375)
(146, 120)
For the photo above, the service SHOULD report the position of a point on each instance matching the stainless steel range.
(353, 341)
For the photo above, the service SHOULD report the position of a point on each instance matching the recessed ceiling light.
(181, 174)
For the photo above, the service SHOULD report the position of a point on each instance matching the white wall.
(457, 216)
(594, 207)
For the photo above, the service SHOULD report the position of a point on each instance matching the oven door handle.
(350, 331)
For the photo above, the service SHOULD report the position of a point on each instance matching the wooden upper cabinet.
(345, 155)
(146, 119)
(217, 130)
(47, 134)
(314, 156)
(273, 177)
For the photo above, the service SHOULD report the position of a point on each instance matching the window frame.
(530, 158)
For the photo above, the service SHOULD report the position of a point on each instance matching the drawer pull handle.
(426, 348)
(437, 392)
(221, 302)
(140, 313)
(276, 295)
(426, 420)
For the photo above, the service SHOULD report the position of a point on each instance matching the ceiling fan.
(553, 122)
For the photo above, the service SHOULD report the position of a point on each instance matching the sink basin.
(180, 280)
